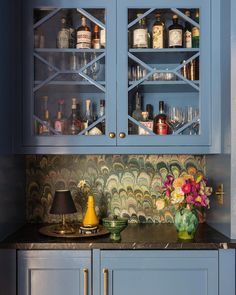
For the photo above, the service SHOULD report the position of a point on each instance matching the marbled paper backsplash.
(123, 185)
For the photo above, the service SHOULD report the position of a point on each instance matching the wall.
(122, 185)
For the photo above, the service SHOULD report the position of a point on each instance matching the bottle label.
(157, 35)
(175, 37)
(58, 126)
(195, 32)
(44, 129)
(96, 44)
(162, 129)
(103, 38)
(148, 124)
(188, 39)
(63, 39)
(83, 39)
(95, 131)
(140, 38)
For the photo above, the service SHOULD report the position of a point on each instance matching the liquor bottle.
(137, 113)
(149, 109)
(63, 35)
(196, 32)
(103, 36)
(83, 35)
(188, 32)
(96, 37)
(74, 122)
(60, 121)
(72, 32)
(99, 129)
(147, 123)
(140, 34)
(158, 30)
(160, 125)
(88, 118)
(44, 126)
(175, 37)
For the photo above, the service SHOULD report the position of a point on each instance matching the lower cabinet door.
(159, 272)
(54, 272)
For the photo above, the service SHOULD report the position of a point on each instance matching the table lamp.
(63, 204)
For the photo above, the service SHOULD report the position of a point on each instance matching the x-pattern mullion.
(186, 18)
(140, 17)
(141, 125)
(46, 18)
(91, 18)
(92, 125)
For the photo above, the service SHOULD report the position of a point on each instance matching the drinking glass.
(95, 67)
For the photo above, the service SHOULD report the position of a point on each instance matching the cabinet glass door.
(164, 69)
(69, 57)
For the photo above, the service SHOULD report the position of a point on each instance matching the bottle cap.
(175, 16)
(96, 29)
(187, 13)
(161, 106)
(145, 115)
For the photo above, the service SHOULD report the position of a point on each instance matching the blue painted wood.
(205, 102)
(53, 272)
(227, 272)
(161, 272)
(97, 278)
(73, 89)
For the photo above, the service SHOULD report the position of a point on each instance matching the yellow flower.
(178, 182)
(198, 199)
(192, 170)
(160, 203)
(199, 178)
(188, 177)
(177, 196)
(82, 184)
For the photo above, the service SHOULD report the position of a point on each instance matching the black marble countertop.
(135, 236)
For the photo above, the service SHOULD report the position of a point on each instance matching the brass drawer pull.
(105, 281)
(85, 270)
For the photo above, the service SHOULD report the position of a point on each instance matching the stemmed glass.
(95, 67)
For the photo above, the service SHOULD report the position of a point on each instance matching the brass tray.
(49, 231)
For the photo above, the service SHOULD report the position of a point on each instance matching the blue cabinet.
(54, 272)
(186, 79)
(159, 272)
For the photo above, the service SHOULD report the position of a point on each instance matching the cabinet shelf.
(61, 86)
(68, 50)
(165, 86)
(163, 50)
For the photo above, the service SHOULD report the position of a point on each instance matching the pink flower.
(189, 199)
(168, 193)
(186, 188)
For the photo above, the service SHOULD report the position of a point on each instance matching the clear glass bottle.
(137, 113)
(140, 34)
(74, 123)
(83, 35)
(175, 36)
(96, 37)
(88, 118)
(158, 31)
(44, 126)
(188, 32)
(72, 31)
(196, 32)
(60, 120)
(160, 125)
(63, 36)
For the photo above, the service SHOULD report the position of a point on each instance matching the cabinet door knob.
(122, 135)
(105, 281)
(85, 270)
(112, 135)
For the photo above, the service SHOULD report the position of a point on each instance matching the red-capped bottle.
(160, 125)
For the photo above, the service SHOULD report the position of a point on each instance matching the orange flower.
(178, 182)
(188, 177)
(192, 170)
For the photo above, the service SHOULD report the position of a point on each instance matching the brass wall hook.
(220, 194)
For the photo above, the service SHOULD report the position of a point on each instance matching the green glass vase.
(186, 223)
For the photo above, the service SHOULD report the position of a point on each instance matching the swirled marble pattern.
(126, 185)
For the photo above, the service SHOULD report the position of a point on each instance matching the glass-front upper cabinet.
(69, 52)
(164, 65)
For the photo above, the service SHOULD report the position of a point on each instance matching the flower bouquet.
(187, 193)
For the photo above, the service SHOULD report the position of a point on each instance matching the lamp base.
(64, 229)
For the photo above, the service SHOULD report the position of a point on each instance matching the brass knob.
(122, 135)
(112, 135)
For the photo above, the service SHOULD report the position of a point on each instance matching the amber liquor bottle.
(160, 125)
(96, 42)
(83, 35)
